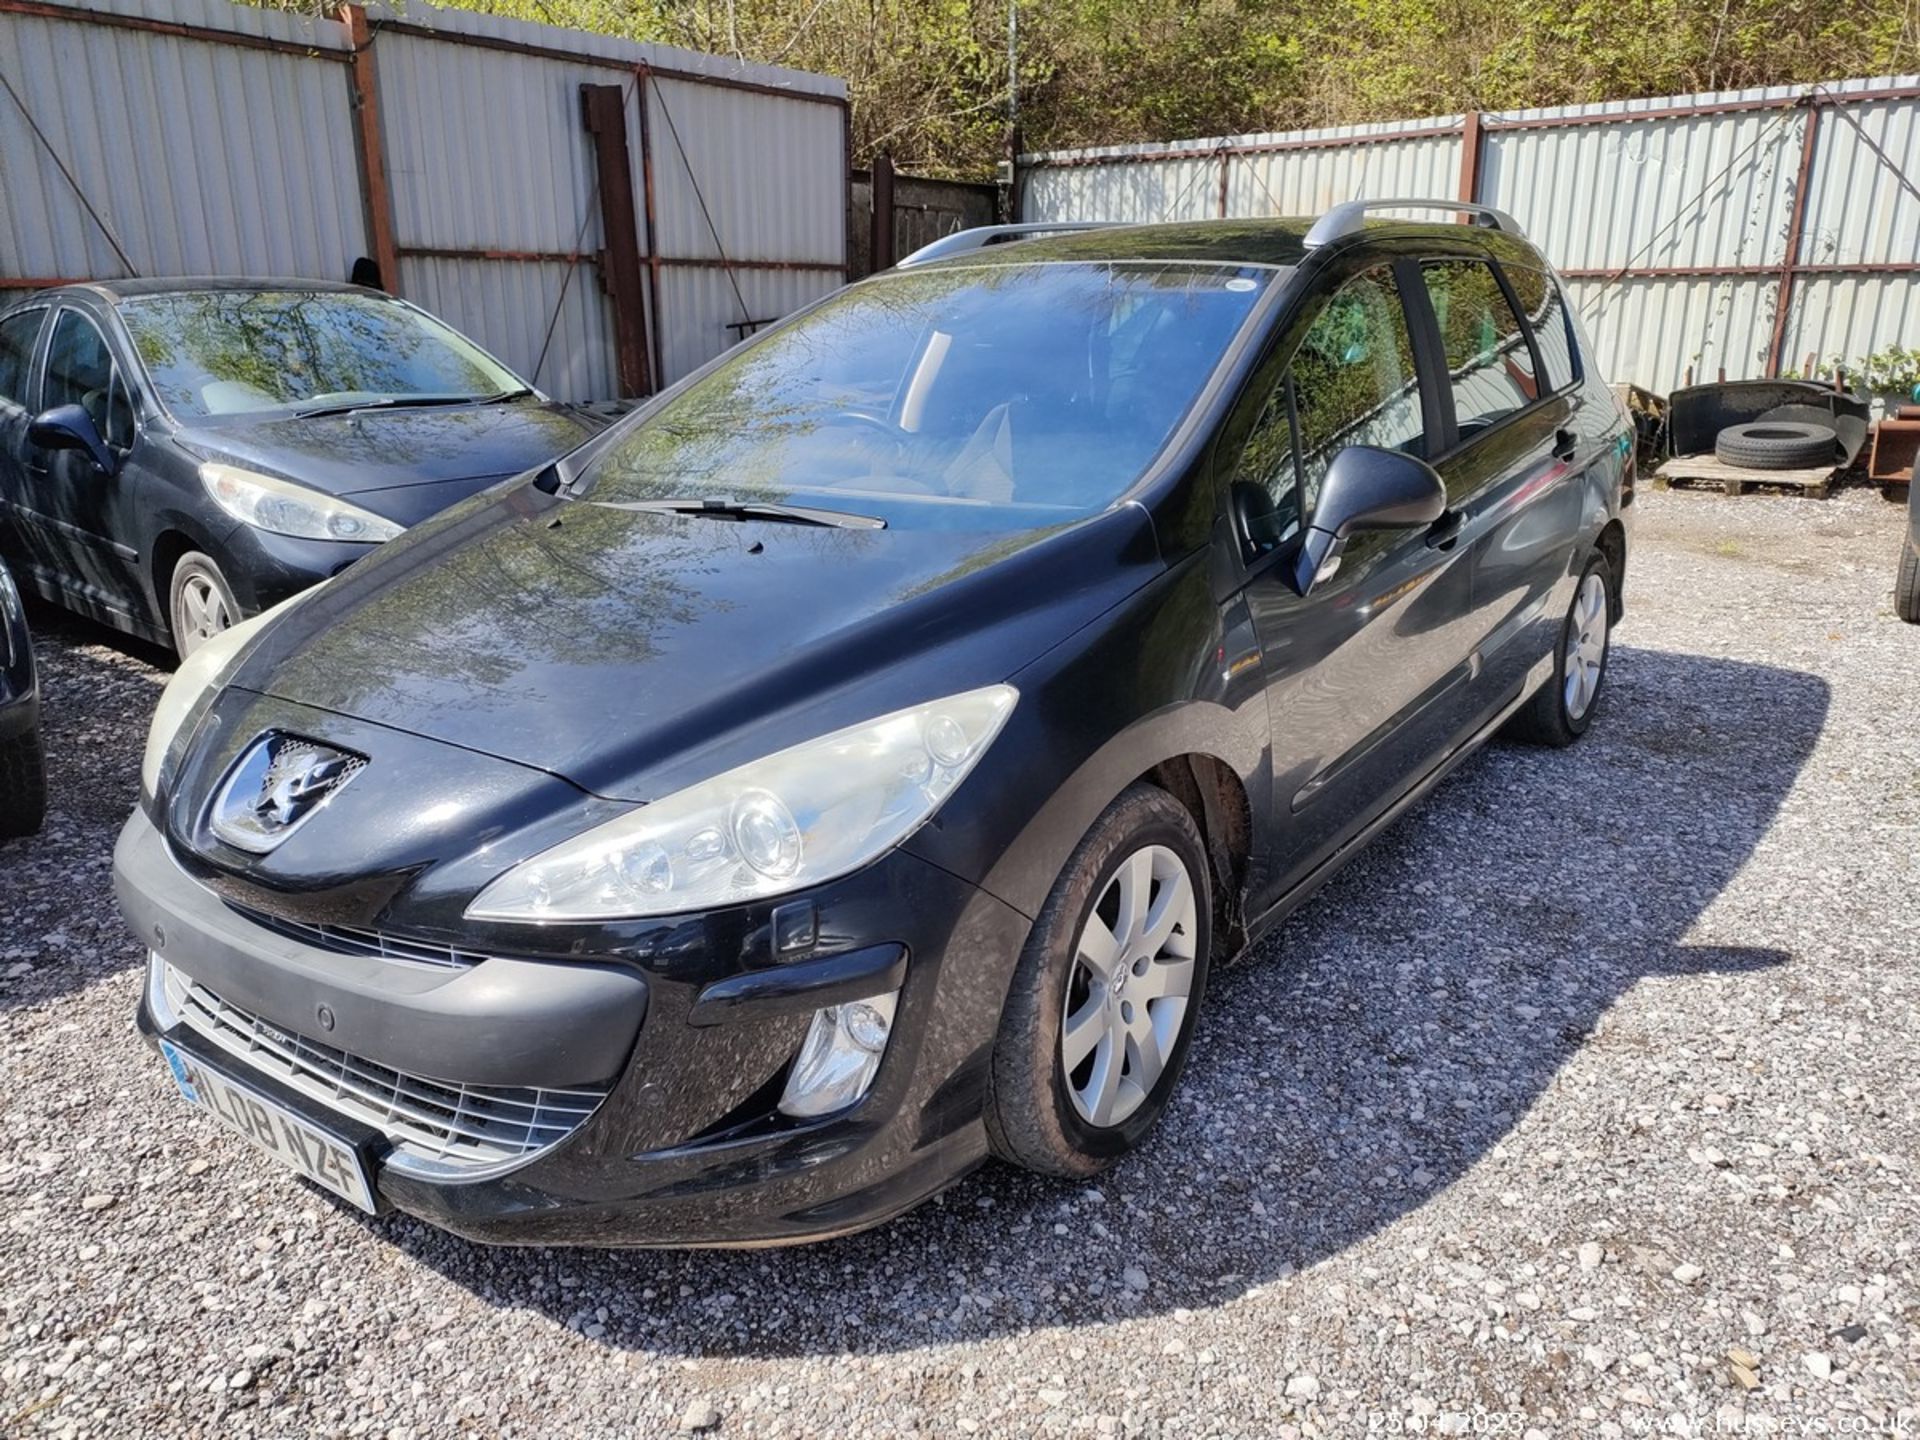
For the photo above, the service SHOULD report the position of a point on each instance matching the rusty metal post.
(604, 111)
(1226, 166)
(1796, 224)
(375, 193)
(644, 88)
(880, 223)
(1471, 133)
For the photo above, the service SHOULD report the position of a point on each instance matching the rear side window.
(17, 335)
(1546, 313)
(1489, 364)
(80, 371)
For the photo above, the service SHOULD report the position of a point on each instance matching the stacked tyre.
(1776, 445)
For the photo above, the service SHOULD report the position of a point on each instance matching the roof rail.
(981, 236)
(1348, 218)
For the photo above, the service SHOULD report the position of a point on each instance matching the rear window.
(950, 395)
(1546, 311)
(1488, 363)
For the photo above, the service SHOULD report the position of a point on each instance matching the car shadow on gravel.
(1376, 1047)
(59, 928)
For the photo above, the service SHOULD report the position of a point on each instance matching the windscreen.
(212, 353)
(1009, 388)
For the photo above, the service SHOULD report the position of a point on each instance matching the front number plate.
(328, 1161)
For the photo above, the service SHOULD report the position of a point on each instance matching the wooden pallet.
(1737, 480)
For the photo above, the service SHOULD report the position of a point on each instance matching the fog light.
(839, 1057)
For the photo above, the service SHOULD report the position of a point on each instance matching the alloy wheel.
(1128, 990)
(203, 611)
(1586, 645)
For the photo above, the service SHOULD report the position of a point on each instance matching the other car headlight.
(283, 508)
(200, 676)
(806, 815)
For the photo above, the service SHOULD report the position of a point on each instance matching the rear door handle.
(1565, 442)
(1442, 534)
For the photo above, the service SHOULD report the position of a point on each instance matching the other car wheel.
(1562, 709)
(200, 603)
(1776, 445)
(1906, 585)
(1103, 1004)
(23, 769)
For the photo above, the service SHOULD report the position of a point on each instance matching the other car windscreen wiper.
(519, 393)
(387, 402)
(718, 508)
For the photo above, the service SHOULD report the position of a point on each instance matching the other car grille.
(350, 940)
(438, 1130)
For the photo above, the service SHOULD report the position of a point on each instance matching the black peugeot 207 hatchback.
(848, 768)
(176, 455)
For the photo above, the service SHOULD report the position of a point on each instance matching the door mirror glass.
(1366, 488)
(69, 427)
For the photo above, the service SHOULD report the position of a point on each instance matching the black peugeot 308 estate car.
(849, 768)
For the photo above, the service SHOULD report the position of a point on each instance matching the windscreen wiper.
(716, 508)
(385, 402)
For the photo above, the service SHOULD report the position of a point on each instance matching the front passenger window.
(80, 371)
(17, 334)
(1352, 382)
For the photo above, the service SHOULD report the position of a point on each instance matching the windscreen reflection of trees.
(235, 351)
(1060, 381)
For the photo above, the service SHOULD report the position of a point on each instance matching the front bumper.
(687, 1147)
(263, 569)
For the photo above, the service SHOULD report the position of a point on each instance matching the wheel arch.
(1612, 543)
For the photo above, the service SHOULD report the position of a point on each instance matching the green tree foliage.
(929, 77)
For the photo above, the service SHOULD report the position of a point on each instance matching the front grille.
(350, 940)
(437, 1129)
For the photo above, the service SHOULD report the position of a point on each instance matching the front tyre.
(1906, 585)
(23, 785)
(1561, 711)
(1103, 1003)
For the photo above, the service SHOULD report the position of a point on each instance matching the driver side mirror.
(1366, 488)
(68, 427)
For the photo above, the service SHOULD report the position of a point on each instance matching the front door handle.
(1564, 444)
(1442, 534)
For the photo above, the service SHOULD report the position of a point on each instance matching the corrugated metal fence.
(194, 137)
(1682, 225)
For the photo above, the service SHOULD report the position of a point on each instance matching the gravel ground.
(1587, 1102)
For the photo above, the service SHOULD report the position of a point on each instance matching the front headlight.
(284, 508)
(798, 818)
(200, 675)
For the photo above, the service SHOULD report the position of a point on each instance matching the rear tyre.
(1906, 585)
(1103, 1002)
(1562, 709)
(23, 785)
(200, 603)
